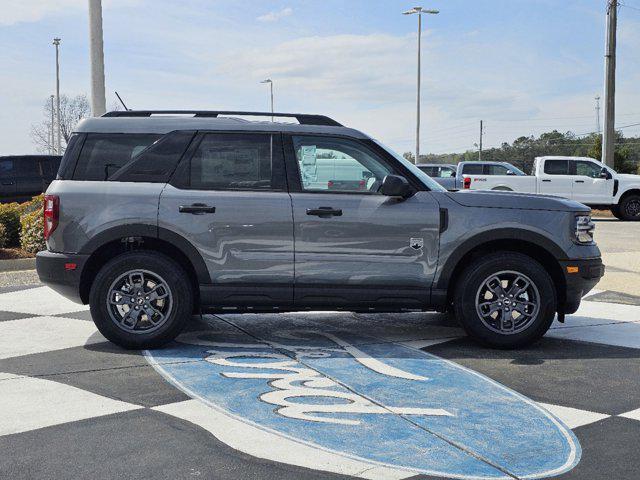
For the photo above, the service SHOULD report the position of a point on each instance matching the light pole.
(419, 11)
(56, 42)
(96, 56)
(270, 82)
(51, 147)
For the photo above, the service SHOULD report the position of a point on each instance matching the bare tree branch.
(72, 110)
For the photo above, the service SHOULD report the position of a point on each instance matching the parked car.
(578, 178)
(155, 217)
(24, 176)
(451, 176)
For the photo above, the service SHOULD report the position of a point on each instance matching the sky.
(522, 66)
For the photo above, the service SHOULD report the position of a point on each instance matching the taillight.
(467, 183)
(362, 185)
(51, 214)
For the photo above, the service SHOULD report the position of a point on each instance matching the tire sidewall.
(177, 281)
(471, 280)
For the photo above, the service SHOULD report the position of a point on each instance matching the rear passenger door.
(555, 178)
(229, 199)
(29, 178)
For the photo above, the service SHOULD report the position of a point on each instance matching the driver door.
(353, 246)
(588, 186)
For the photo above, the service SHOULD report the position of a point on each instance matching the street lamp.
(419, 11)
(53, 122)
(56, 42)
(270, 82)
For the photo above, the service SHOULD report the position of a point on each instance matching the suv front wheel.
(505, 300)
(141, 299)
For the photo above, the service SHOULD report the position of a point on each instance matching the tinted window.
(431, 171)
(472, 169)
(588, 169)
(237, 162)
(104, 153)
(556, 167)
(6, 167)
(338, 165)
(156, 163)
(30, 167)
(497, 170)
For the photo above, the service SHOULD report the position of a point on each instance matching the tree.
(409, 156)
(72, 110)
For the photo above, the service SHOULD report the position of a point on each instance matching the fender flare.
(153, 231)
(452, 261)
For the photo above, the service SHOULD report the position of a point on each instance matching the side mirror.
(606, 174)
(510, 172)
(395, 186)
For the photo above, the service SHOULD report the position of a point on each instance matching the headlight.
(584, 229)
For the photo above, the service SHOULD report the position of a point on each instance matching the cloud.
(20, 11)
(274, 16)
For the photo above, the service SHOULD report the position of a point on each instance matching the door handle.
(8, 183)
(579, 181)
(196, 209)
(546, 180)
(324, 212)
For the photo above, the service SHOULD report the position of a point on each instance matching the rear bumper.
(580, 282)
(56, 271)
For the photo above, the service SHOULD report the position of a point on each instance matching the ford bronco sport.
(155, 216)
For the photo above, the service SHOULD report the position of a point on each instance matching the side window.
(497, 170)
(556, 167)
(338, 165)
(470, 168)
(6, 167)
(588, 169)
(105, 153)
(234, 161)
(30, 167)
(431, 171)
(447, 173)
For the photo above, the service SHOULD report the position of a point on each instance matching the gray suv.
(156, 215)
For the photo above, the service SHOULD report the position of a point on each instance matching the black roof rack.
(303, 119)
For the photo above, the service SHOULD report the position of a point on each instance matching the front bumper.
(580, 277)
(56, 270)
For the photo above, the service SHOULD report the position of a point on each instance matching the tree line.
(523, 150)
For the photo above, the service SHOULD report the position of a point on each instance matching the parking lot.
(324, 395)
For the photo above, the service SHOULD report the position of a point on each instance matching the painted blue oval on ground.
(379, 402)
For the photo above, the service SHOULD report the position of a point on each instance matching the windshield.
(429, 182)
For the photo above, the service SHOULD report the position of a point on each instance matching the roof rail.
(303, 119)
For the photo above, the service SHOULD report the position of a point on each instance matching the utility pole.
(608, 139)
(598, 115)
(52, 129)
(420, 11)
(56, 43)
(96, 56)
(480, 149)
(270, 82)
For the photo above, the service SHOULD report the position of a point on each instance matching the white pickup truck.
(578, 178)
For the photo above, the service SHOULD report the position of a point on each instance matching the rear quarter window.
(556, 167)
(103, 154)
(472, 169)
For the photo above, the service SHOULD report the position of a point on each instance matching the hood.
(521, 201)
(628, 177)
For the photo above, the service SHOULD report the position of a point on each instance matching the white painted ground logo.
(380, 403)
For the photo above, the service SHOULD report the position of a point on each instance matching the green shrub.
(10, 220)
(32, 232)
(3, 236)
(35, 204)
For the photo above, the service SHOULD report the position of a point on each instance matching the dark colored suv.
(154, 217)
(24, 176)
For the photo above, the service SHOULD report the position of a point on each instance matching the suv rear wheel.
(505, 300)
(141, 299)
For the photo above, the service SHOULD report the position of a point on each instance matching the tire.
(615, 211)
(159, 288)
(472, 296)
(629, 208)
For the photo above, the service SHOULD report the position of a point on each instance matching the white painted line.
(263, 444)
(633, 414)
(597, 313)
(427, 342)
(38, 301)
(45, 334)
(617, 334)
(28, 403)
(573, 417)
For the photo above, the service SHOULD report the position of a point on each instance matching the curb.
(17, 264)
